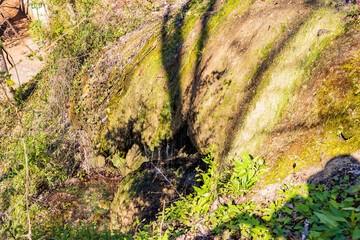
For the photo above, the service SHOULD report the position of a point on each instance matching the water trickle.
(167, 150)
(159, 153)
(179, 146)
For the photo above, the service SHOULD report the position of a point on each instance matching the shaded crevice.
(179, 145)
(172, 46)
(172, 41)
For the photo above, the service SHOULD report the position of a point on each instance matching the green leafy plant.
(202, 208)
(245, 173)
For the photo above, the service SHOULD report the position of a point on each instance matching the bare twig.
(162, 219)
(14, 66)
(27, 183)
(172, 186)
(47, 238)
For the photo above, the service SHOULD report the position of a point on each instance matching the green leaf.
(226, 218)
(261, 161)
(349, 199)
(335, 204)
(350, 209)
(356, 233)
(335, 218)
(315, 234)
(326, 220)
(354, 189)
(40, 58)
(288, 210)
(302, 208)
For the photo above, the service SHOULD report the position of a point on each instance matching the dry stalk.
(162, 219)
(25, 152)
(27, 182)
(172, 186)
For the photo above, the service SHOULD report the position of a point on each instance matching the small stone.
(99, 161)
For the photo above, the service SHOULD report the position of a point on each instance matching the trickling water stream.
(179, 146)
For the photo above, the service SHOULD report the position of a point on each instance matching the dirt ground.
(20, 47)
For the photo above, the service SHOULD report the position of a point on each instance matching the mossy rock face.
(142, 193)
(322, 120)
(229, 72)
(179, 72)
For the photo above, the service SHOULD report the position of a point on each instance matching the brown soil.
(19, 45)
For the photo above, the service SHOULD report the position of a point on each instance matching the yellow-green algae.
(333, 128)
(149, 79)
(288, 69)
(245, 44)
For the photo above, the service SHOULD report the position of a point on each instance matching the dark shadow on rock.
(204, 35)
(337, 167)
(336, 184)
(143, 192)
(172, 41)
(23, 92)
(172, 46)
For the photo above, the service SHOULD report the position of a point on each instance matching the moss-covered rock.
(321, 120)
(142, 193)
(191, 69)
(278, 79)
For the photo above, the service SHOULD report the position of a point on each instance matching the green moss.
(163, 131)
(118, 160)
(336, 114)
(284, 75)
(312, 152)
(148, 65)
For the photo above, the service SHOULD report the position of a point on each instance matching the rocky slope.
(279, 79)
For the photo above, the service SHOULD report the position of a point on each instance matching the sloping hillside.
(134, 95)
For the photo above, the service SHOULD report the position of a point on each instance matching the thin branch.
(162, 219)
(27, 183)
(14, 66)
(172, 186)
